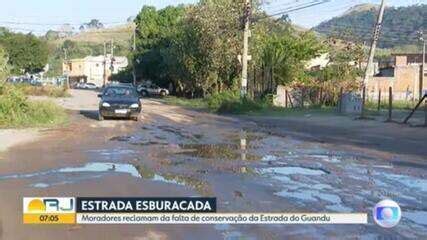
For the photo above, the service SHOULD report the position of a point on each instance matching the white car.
(149, 89)
(87, 86)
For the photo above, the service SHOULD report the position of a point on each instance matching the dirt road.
(178, 152)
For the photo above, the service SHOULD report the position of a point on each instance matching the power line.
(286, 11)
(52, 24)
(300, 6)
(292, 5)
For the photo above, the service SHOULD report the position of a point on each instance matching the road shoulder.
(12, 137)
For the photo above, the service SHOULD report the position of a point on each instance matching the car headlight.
(135, 105)
(105, 104)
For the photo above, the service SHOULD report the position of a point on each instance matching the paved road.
(179, 152)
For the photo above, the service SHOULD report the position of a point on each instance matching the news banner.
(96, 210)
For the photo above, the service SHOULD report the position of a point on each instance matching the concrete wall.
(405, 83)
(408, 80)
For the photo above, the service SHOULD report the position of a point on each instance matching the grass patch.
(197, 103)
(17, 111)
(231, 103)
(49, 91)
(272, 111)
(397, 105)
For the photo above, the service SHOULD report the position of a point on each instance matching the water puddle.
(103, 167)
(112, 152)
(297, 182)
(160, 178)
(391, 179)
(139, 141)
(200, 186)
(409, 164)
(327, 158)
(121, 138)
(339, 208)
(63, 175)
(218, 151)
(419, 217)
(268, 158)
(293, 170)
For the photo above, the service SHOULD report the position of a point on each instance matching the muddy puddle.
(218, 151)
(68, 175)
(200, 186)
(302, 173)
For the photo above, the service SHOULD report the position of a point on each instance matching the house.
(318, 63)
(324, 60)
(404, 75)
(91, 69)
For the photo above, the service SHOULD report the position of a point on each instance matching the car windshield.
(119, 91)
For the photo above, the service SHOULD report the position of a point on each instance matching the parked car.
(119, 101)
(149, 89)
(86, 86)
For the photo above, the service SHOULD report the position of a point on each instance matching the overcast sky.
(42, 15)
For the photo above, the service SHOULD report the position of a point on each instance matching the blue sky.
(41, 15)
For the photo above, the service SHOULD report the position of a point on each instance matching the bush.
(17, 111)
(196, 103)
(216, 100)
(231, 102)
(49, 91)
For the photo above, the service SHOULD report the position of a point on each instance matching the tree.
(343, 70)
(283, 54)
(214, 40)
(66, 30)
(156, 34)
(52, 35)
(94, 24)
(196, 47)
(26, 52)
(4, 66)
(130, 19)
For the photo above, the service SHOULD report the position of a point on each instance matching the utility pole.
(65, 54)
(112, 58)
(246, 34)
(112, 48)
(67, 74)
(377, 31)
(423, 66)
(105, 64)
(134, 53)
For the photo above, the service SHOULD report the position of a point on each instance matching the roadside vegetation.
(231, 103)
(17, 111)
(49, 91)
(26, 52)
(195, 103)
(397, 105)
(195, 50)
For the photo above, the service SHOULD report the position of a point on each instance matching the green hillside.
(400, 25)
